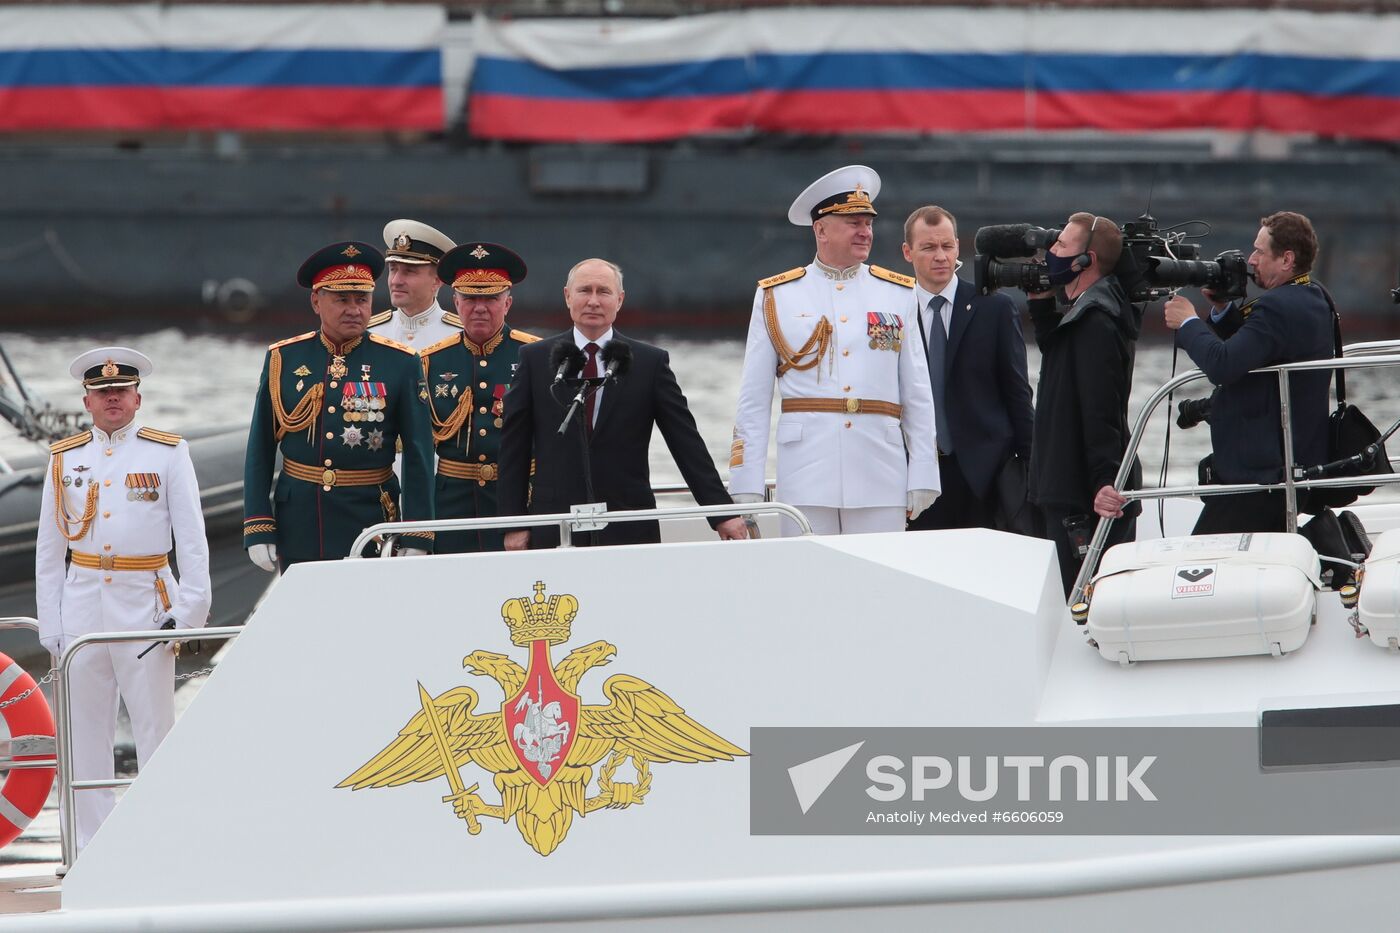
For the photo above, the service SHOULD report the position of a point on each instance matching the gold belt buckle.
(852, 406)
(488, 472)
(108, 561)
(328, 477)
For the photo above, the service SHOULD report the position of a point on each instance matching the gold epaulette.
(880, 272)
(68, 443)
(523, 337)
(377, 319)
(160, 437)
(442, 344)
(450, 317)
(297, 339)
(791, 275)
(385, 341)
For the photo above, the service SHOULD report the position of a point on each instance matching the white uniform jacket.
(146, 489)
(418, 331)
(838, 459)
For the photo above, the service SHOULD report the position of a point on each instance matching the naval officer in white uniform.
(412, 251)
(856, 446)
(113, 495)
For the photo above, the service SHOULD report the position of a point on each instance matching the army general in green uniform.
(467, 377)
(334, 401)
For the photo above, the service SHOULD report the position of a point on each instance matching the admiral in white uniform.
(113, 496)
(412, 254)
(856, 448)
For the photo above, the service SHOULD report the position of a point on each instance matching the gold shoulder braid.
(301, 418)
(60, 511)
(443, 430)
(811, 352)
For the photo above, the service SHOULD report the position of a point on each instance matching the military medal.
(338, 368)
(886, 331)
(77, 481)
(350, 437)
(142, 487)
(67, 481)
(440, 391)
(375, 439)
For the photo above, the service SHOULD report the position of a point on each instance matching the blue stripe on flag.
(369, 68)
(855, 71)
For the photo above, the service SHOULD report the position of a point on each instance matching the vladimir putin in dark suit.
(617, 422)
(977, 367)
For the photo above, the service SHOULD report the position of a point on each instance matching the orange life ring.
(30, 722)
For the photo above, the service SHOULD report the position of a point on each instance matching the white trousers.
(828, 521)
(147, 685)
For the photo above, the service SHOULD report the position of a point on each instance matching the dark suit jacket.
(648, 394)
(1285, 324)
(986, 391)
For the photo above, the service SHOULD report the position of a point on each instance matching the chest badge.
(301, 371)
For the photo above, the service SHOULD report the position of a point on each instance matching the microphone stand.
(585, 456)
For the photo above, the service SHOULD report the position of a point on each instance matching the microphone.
(1009, 240)
(617, 359)
(565, 359)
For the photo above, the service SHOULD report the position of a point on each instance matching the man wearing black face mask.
(1081, 403)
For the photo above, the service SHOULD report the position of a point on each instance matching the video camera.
(1154, 261)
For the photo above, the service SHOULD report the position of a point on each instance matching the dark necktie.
(937, 356)
(590, 371)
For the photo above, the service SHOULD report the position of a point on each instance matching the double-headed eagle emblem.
(542, 745)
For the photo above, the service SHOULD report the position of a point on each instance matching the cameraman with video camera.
(1291, 321)
(1081, 430)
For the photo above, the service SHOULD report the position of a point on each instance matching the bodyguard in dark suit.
(616, 425)
(1291, 321)
(977, 366)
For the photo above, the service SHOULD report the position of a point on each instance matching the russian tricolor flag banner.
(269, 67)
(902, 70)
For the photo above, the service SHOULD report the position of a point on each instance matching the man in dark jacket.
(1081, 404)
(616, 428)
(1289, 322)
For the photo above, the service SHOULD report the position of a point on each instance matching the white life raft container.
(1204, 596)
(1378, 608)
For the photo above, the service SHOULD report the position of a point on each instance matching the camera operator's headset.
(1084, 260)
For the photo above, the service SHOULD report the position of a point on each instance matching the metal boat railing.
(1289, 484)
(571, 523)
(67, 787)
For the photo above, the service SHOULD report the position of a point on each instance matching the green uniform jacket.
(466, 384)
(339, 418)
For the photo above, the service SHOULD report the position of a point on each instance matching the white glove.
(265, 556)
(53, 644)
(746, 498)
(410, 552)
(920, 500)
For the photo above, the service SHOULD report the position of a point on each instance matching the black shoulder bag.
(1349, 434)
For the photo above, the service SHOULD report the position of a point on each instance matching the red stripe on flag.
(150, 108)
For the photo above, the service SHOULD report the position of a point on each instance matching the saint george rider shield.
(541, 719)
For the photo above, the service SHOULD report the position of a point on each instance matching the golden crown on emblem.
(531, 620)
